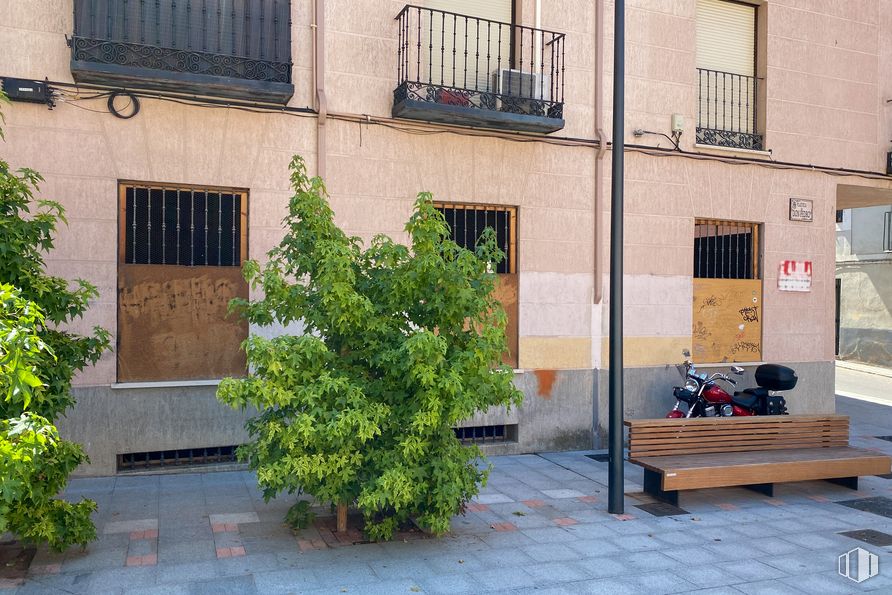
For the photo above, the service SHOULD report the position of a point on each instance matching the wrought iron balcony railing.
(728, 109)
(461, 69)
(228, 48)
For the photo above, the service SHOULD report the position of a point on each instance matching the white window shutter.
(726, 36)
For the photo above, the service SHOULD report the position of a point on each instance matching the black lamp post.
(615, 430)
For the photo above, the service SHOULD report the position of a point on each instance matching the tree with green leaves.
(401, 343)
(38, 359)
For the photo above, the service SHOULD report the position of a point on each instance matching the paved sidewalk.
(540, 525)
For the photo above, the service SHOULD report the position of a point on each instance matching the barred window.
(467, 222)
(182, 226)
(726, 250)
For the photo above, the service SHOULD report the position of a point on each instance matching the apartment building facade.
(174, 122)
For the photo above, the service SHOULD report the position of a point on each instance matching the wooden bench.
(752, 452)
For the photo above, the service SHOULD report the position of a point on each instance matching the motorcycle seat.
(745, 399)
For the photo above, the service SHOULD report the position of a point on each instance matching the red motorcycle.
(703, 397)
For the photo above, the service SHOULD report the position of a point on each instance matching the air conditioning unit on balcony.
(531, 89)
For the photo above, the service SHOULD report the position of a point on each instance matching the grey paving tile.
(705, 575)
(767, 588)
(234, 518)
(238, 585)
(751, 570)
(595, 548)
(451, 583)
(496, 579)
(638, 543)
(557, 572)
(824, 583)
(603, 567)
(94, 560)
(547, 534)
(129, 526)
(159, 590)
(550, 552)
(188, 572)
(400, 569)
(132, 577)
(278, 582)
(343, 574)
(181, 552)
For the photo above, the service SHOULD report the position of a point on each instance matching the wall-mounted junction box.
(26, 90)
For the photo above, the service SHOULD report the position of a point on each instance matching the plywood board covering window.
(466, 223)
(728, 311)
(179, 264)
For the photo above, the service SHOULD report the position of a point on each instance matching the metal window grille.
(135, 461)
(467, 222)
(887, 231)
(242, 39)
(487, 434)
(467, 61)
(726, 250)
(182, 226)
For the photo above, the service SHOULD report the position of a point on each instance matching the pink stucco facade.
(826, 68)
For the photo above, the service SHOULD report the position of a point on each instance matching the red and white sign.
(794, 275)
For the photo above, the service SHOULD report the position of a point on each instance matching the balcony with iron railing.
(225, 48)
(728, 109)
(459, 69)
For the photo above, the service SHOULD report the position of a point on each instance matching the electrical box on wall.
(26, 90)
(677, 123)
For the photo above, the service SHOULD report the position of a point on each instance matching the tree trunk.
(342, 517)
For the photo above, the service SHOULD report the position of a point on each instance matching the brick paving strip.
(225, 527)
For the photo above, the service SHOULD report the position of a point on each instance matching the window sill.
(732, 150)
(165, 384)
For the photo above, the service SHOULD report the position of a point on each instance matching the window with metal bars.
(182, 226)
(467, 222)
(726, 250)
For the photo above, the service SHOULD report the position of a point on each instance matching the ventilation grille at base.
(183, 457)
(487, 434)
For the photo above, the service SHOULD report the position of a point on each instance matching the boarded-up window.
(180, 256)
(727, 315)
(467, 223)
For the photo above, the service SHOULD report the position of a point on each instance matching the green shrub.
(37, 362)
(400, 344)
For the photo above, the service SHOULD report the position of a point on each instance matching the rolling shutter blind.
(493, 10)
(726, 36)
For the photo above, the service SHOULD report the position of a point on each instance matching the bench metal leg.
(762, 488)
(849, 482)
(653, 486)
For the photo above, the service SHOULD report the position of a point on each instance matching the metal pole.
(615, 437)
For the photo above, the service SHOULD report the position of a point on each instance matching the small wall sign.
(801, 209)
(794, 275)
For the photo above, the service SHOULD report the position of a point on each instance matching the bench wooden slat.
(706, 430)
(745, 468)
(687, 438)
(747, 448)
(755, 419)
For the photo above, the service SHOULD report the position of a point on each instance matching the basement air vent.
(487, 434)
(185, 457)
